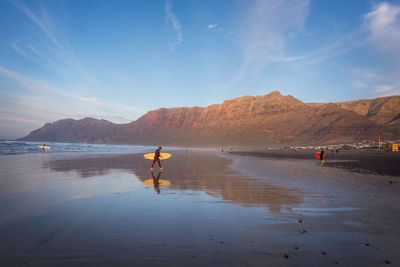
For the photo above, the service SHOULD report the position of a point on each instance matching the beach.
(211, 209)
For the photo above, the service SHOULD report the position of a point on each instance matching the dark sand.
(363, 161)
(224, 210)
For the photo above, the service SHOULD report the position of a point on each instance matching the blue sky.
(117, 60)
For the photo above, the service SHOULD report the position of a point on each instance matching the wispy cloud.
(212, 26)
(36, 87)
(51, 102)
(48, 100)
(174, 25)
(383, 26)
(44, 24)
(375, 82)
(341, 46)
(264, 32)
(53, 52)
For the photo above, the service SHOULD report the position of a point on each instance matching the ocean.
(12, 147)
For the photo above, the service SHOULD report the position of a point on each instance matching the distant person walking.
(157, 156)
(321, 157)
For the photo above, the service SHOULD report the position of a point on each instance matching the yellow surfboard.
(161, 182)
(45, 147)
(150, 156)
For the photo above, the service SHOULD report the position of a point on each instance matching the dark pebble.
(391, 182)
(296, 248)
(323, 252)
(303, 231)
(367, 244)
(286, 256)
(222, 242)
(300, 221)
(387, 262)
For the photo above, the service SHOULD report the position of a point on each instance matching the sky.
(117, 60)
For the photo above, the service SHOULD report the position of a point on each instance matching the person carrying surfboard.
(321, 157)
(157, 158)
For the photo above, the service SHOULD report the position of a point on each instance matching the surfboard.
(150, 156)
(161, 182)
(45, 147)
(318, 155)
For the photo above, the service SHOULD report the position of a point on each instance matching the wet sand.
(363, 161)
(216, 210)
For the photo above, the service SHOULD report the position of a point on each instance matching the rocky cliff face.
(251, 120)
(248, 120)
(383, 110)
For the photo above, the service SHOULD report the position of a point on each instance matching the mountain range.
(245, 121)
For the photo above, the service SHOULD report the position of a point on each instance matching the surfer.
(157, 158)
(321, 156)
(43, 147)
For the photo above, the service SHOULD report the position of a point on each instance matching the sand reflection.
(156, 182)
(193, 171)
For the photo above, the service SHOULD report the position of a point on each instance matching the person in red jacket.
(157, 156)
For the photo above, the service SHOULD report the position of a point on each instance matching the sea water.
(12, 147)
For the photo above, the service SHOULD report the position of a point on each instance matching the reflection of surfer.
(321, 157)
(156, 182)
(157, 158)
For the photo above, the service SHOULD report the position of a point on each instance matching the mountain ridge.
(248, 120)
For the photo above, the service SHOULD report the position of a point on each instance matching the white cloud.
(383, 26)
(175, 25)
(385, 89)
(212, 26)
(375, 82)
(383, 23)
(263, 34)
